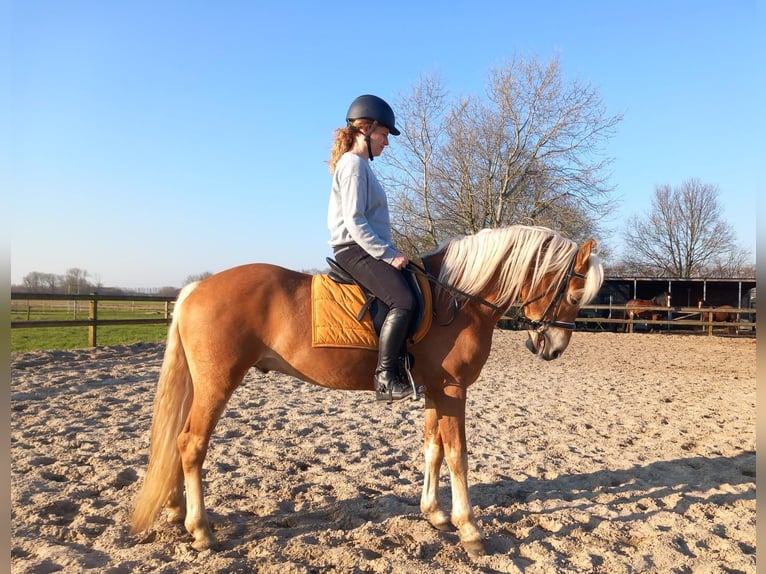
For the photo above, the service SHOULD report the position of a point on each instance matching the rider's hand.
(400, 261)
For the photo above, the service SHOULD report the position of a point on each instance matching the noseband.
(539, 325)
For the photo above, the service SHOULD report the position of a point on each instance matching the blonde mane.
(506, 256)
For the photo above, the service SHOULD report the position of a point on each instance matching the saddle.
(345, 314)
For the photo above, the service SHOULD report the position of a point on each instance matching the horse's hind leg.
(193, 442)
(175, 507)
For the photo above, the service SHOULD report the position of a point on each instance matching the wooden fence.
(592, 317)
(93, 322)
(676, 318)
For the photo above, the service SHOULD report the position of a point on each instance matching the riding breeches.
(384, 281)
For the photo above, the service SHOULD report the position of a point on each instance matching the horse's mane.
(507, 255)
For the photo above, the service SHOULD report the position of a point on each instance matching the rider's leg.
(389, 384)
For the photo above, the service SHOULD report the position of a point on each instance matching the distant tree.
(530, 151)
(734, 264)
(31, 281)
(315, 271)
(76, 280)
(197, 277)
(37, 281)
(168, 291)
(683, 235)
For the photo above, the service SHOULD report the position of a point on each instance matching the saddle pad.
(334, 310)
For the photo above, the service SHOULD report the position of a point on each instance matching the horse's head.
(527, 266)
(553, 308)
(662, 300)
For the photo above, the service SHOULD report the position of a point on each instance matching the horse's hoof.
(441, 521)
(203, 538)
(474, 548)
(175, 516)
(444, 526)
(204, 544)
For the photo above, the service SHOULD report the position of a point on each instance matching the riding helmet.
(373, 108)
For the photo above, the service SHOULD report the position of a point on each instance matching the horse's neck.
(433, 265)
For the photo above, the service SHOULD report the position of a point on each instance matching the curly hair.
(345, 138)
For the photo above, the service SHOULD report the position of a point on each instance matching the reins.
(536, 324)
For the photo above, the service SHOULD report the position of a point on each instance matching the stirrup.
(387, 393)
(417, 392)
(394, 390)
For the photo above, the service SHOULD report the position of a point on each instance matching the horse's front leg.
(434, 455)
(451, 420)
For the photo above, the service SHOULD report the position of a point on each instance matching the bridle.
(547, 319)
(543, 322)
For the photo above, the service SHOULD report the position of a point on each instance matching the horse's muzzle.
(539, 345)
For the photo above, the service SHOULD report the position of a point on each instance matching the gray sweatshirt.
(358, 210)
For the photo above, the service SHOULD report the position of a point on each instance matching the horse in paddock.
(721, 313)
(642, 308)
(257, 315)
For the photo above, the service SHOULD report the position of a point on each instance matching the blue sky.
(150, 141)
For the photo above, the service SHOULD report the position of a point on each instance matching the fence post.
(93, 317)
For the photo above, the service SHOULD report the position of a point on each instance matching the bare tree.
(76, 280)
(197, 277)
(683, 235)
(528, 152)
(733, 264)
(37, 281)
(421, 117)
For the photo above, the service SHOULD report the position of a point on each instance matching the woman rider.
(360, 231)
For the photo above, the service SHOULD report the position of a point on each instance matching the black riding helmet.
(373, 108)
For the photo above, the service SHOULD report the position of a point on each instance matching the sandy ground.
(631, 453)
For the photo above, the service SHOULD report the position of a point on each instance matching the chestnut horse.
(256, 316)
(722, 313)
(642, 308)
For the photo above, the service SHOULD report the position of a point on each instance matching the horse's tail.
(171, 407)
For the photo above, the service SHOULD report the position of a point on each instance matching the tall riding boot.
(389, 386)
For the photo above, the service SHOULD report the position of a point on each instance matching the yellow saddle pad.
(334, 311)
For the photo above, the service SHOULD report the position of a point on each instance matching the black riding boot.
(389, 386)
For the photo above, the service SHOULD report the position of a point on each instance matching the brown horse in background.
(257, 316)
(643, 308)
(721, 313)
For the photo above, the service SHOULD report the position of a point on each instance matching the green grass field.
(46, 338)
(23, 340)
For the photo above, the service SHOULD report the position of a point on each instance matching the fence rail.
(689, 317)
(595, 316)
(94, 301)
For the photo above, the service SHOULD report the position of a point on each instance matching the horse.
(255, 315)
(637, 308)
(721, 313)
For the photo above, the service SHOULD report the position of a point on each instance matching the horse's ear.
(584, 253)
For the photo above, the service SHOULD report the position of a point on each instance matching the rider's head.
(373, 108)
(370, 118)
